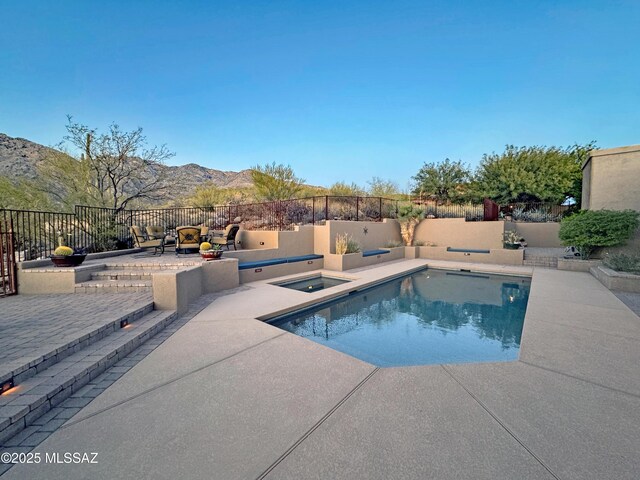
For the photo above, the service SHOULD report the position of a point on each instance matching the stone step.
(114, 286)
(549, 262)
(128, 275)
(35, 396)
(153, 267)
(28, 367)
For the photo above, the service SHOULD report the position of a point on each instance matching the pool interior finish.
(313, 284)
(428, 317)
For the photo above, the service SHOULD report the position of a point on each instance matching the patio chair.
(228, 237)
(204, 232)
(140, 241)
(187, 238)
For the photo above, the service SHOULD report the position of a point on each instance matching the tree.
(22, 195)
(343, 189)
(382, 188)
(444, 181)
(276, 182)
(533, 174)
(208, 195)
(113, 170)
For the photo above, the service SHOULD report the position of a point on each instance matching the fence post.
(380, 209)
(357, 208)
(326, 208)
(313, 210)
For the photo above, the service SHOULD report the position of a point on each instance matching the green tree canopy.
(343, 189)
(533, 174)
(276, 182)
(444, 181)
(379, 187)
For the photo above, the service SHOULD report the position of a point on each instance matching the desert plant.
(591, 229)
(409, 216)
(511, 236)
(393, 244)
(63, 251)
(205, 246)
(622, 262)
(346, 244)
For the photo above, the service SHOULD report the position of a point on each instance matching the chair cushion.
(371, 253)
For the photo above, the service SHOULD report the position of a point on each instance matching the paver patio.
(228, 396)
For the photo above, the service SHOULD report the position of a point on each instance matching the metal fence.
(536, 212)
(8, 284)
(472, 212)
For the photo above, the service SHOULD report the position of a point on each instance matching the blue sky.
(339, 90)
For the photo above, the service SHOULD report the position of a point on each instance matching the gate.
(8, 282)
(491, 210)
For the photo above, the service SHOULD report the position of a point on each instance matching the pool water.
(428, 317)
(313, 284)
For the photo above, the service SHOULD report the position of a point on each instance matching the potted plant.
(67, 257)
(512, 241)
(210, 252)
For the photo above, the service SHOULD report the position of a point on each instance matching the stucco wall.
(543, 235)
(611, 179)
(369, 235)
(458, 233)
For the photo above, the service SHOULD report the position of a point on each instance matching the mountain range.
(19, 158)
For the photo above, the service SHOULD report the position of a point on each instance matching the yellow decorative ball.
(65, 251)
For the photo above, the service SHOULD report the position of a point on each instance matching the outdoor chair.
(204, 231)
(228, 237)
(140, 241)
(187, 238)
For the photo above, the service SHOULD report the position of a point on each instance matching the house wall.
(458, 233)
(611, 179)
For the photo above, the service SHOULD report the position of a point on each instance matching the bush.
(591, 229)
(622, 262)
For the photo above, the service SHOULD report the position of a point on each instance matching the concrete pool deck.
(228, 396)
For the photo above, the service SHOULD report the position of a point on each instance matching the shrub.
(64, 251)
(393, 244)
(591, 229)
(346, 244)
(622, 262)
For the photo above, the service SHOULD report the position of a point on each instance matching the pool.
(428, 317)
(313, 284)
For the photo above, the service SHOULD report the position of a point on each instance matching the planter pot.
(512, 246)
(211, 254)
(67, 260)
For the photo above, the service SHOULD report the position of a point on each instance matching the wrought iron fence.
(536, 212)
(472, 212)
(8, 283)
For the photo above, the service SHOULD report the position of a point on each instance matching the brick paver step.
(114, 286)
(35, 396)
(34, 362)
(111, 275)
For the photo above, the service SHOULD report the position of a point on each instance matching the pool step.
(35, 396)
